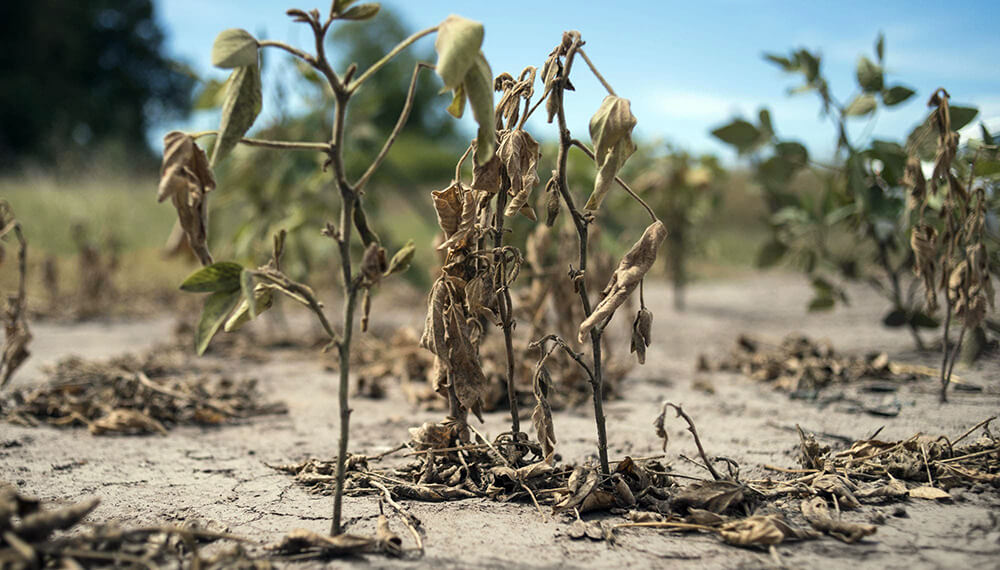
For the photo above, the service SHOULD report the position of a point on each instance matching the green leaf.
(401, 260)
(869, 75)
(766, 128)
(795, 153)
(820, 303)
(478, 85)
(458, 43)
(739, 133)
(985, 133)
(246, 287)
(924, 321)
(217, 306)
(961, 116)
(783, 62)
(234, 48)
(880, 47)
(239, 111)
(986, 167)
(611, 132)
(863, 104)
(896, 95)
(770, 254)
(775, 172)
(894, 318)
(223, 276)
(263, 298)
(361, 12)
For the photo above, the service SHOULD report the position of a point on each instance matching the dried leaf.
(753, 531)
(464, 369)
(486, 177)
(126, 421)
(38, 525)
(373, 265)
(239, 109)
(927, 492)
(186, 178)
(632, 268)
(448, 205)
(541, 416)
(818, 515)
(433, 338)
(465, 230)
(661, 431)
(519, 153)
(641, 330)
(611, 132)
(714, 496)
(388, 541)
(301, 540)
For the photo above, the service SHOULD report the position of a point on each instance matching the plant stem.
(596, 379)
(281, 145)
(388, 57)
(505, 305)
(618, 179)
(596, 73)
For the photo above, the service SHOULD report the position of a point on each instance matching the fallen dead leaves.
(135, 394)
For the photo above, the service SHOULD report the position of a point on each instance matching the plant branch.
(280, 145)
(306, 57)
(388, 57)
(560, 343)
(596, 73)
(283, 282)
(590, 153)
(697, 440)
(506, 308)
(404, 115)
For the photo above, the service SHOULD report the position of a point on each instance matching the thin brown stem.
(279, 145)
(596, 73)
(388, 57)
(618, 179)
(404, 115)
(506, 307)
(697, 440)
(306, 57)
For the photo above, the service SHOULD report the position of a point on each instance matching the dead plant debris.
(802, 366)
(135, 394)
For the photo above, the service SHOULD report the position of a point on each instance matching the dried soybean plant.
(948, 239)
(237, 293)
(16, 333)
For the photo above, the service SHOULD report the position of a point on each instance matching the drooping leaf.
(263, 299)
(234, 48)
(402, 258)
(186, 178)
(611, 132)
(869, 75)
(632, 268)
(361, 12)
(961, 116)
(239, 111)
(863, 104)
(518, 152)
(478, 85)
(896, 94)
(457, 107)
(246, 287)
(783, 62)
(458, 43)
(739, 133)
(217, 308)
(223, 276)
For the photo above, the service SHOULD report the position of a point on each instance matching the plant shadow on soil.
(222, 474)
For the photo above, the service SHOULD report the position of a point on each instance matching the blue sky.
(686, 66)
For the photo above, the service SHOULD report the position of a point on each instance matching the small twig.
(927, 465)
(697, 440)
(410, 520)
(281, 145)
(388, 57)
(596, 73)
(974, 428)
(470, 447)
(969, 455)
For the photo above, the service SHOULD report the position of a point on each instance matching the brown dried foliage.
(186, 179)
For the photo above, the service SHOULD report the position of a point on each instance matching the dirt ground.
(222, 474)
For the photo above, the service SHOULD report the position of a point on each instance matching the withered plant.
(238, 294)
(948, 239)
(475, 279)
(16, 333)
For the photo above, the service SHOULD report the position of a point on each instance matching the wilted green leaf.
(770, 254)
(458, 43)
(263, 298)
(861, 105)
(239, 111)
(896, 94)
(361, 12)
(234, 48)
(869, 75)
(739, 133)
(478, 86)
(611, 132)
(217, 307)
(246, 287)
(783, 62)
(223, 276)
(401, 260)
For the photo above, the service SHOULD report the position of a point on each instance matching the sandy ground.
(221, 474)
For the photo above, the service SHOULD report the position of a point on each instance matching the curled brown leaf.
(186, 178)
